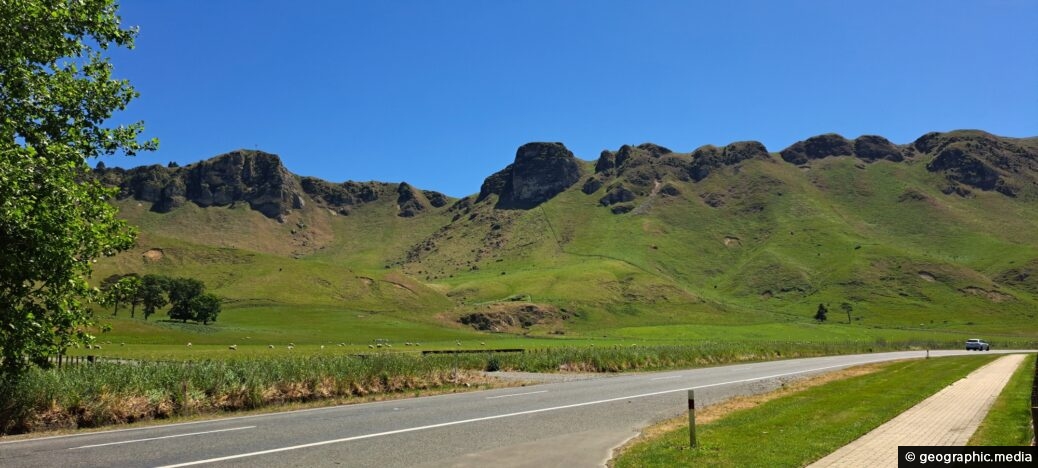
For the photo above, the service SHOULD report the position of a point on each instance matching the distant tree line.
(186, 296)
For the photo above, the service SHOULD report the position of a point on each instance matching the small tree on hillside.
(153, 293)
(129, 287)
(822, 314)
(205, 307)
(847, 307)
(181, 293)
(109, 292)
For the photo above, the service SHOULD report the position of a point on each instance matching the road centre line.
(515, 394)
(163, 437)
(233, 418)
(498, 416)
(668, 377)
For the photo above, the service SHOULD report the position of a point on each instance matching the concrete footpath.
(949, 417)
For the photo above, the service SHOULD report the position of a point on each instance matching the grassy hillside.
(753, 247)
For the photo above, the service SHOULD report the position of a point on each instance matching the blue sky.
(441, 93)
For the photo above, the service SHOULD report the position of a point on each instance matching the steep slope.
(936, 232)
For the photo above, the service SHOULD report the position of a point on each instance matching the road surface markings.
(668, 377)
(163, 437)
(326, 409)
(515, 394)
(498, 416)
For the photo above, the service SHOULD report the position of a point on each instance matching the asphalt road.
(574, 423)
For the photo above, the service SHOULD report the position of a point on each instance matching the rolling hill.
(936, 234)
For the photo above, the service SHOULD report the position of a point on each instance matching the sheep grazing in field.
(379, 345)
(342, 344)
(322, 346)
(270, 346)
(482, 343)
(233, 347)
(371, 346)
(188, 344)
(291, 347)
(291, 344)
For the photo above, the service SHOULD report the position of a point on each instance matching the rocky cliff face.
(540, 171)
(254, 177)
(259, 179)
(980, 160)
(709, 158)
(866, 147)
(969, 159)
(341, 197)
(410, 201)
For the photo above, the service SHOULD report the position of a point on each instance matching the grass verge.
(1009, 420)
(797, 429)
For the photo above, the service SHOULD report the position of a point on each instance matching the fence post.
(1034, 401)
(692, 418)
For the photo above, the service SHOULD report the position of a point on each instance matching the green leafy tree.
(153, 294)
(822, 314)
(182, 291)
(131, 289)
(205, 307)
(848, 308)
(120, 289)
(56, 92)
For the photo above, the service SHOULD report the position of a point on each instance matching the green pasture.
(268, 330)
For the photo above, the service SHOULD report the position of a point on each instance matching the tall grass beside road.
(114, 392)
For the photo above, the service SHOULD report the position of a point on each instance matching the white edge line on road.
(934, 353)
(488, 418)
(329, 409)
(668, 377)
(163, 437)
(515, 394)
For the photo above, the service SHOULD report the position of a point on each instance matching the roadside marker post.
(1034, 401)
(692, 419)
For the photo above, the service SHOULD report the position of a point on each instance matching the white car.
(976, 344)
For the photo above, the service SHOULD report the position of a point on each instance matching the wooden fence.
(61, 360)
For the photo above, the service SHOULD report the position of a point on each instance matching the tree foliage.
(130, 288)
(56, 92)
(182, 293)
(847, 308)
(822, 314)
(205, 307)
(153, 293)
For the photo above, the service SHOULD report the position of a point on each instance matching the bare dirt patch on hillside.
(513, 316)
(153, 255)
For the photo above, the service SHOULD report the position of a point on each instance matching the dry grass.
(141, 411)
